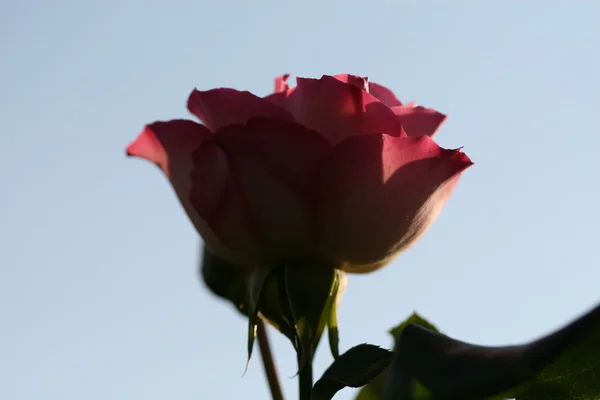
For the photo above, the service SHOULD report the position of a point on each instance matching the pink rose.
(335, 170)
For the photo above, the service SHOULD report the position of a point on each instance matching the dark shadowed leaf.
(355, 368)
(415, 319)
(575, 373)
(374, 390)
(564, 363)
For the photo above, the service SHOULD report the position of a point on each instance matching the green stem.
(268, 362)
(305, 380)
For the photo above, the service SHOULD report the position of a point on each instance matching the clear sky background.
(99, 294)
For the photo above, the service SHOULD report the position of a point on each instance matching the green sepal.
(224, 279)
(274, 308)
(255, 287)
(330, 316)
(310, 289)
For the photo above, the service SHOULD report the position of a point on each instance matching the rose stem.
(305, 380)
(268, 362)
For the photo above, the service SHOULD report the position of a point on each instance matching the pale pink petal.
(379, 193)
(280, 83)
(221, 107)
(419, 121)
(274, 163)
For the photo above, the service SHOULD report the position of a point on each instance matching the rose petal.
(419, 121)
(170, 145)
(416, 120)
(337, 110)
(274, 163)
(280, 83)
(221, 107)
(282, 91)
(385, 95)
(379, 193)
(355, 80)
(218, 198)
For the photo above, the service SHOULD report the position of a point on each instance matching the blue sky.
(99, 296)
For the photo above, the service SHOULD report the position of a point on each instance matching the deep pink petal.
(354, 80)
(221, 107)
(385, 95)
(419, 121)
(170, 145)
(379, 193)
(166, 143)
(282, 91)
(274, 164)
(218, 199)
(338, 110)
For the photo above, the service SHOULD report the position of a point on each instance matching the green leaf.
(562, 365)
(575, 373)
(374, 390)
(415, 319)
(355, 368)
